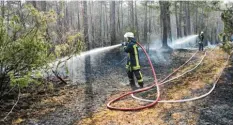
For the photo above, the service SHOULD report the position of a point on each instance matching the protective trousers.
(200, 46)
(138, 75)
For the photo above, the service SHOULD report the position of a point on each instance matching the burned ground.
(218, 106)
(191, 85)
(73, 104)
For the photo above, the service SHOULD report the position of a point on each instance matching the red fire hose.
(146, 88)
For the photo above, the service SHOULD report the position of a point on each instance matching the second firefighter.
(201, 40)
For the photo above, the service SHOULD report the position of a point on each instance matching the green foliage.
(155, 6)
(74, 44)
(226, 44)
(227, 47)
(22, 81)
(23, 49)
(26, 46)
(227, 18)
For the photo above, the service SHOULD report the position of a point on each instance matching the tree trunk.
(43, 4)
(188, 18)
(180, 20)
(169, 25)
(78, 14)
(122, 21)
(145, 23)
(150, 17)
(154, 23)
(85, 25)
(113, 23)
(67, 17)
(196, 24)
(2, 9)
(34, 4)
(185, 18)
(71, 16)
(177, 22)
(106, 23)
(8, 15)
(101, 23)
(118, 18)
(130, 3)
(91, 24)
(164, 12)
(136, 22)
(88, 72)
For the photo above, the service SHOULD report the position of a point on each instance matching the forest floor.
(78, 104)
(203, 111)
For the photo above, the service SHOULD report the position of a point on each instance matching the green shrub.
(23, 47)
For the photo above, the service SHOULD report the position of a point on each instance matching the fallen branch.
(12, 107)
(57, 75)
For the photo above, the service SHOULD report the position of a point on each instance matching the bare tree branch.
(12, 107)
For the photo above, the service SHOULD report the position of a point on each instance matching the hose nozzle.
(124, 43)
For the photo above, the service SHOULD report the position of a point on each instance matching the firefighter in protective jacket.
(133, 65)
(201, 37)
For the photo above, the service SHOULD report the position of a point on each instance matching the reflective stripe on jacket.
(133, 56)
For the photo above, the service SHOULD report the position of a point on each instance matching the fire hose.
(190, 99)
(163, 81)
(153, 102)
(144, 89)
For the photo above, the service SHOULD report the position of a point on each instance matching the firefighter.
(201, 37)
(133, 65)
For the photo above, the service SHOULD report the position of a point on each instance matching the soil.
(71, 104)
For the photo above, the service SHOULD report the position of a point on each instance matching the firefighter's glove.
(124, 44)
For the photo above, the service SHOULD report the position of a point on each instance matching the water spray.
(99, 50)
(90, 52)
(74, 66)
(184, 42)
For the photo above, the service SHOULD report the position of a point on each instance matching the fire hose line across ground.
(163, 82)
(146, 88)
(190, 99)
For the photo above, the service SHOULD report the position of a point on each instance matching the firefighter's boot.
(132, 85)
(141, 84)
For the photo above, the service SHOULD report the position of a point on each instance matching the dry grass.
(166, 113)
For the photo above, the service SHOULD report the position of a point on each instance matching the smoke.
(209, 45)
(161, 57)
